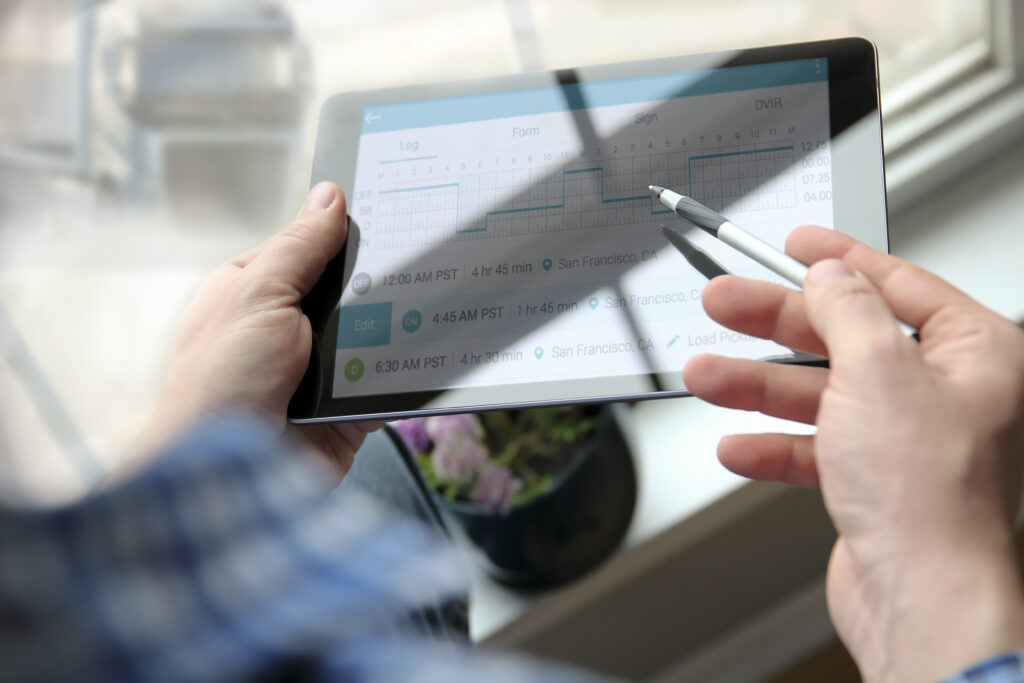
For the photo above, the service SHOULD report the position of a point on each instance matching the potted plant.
(544, 494)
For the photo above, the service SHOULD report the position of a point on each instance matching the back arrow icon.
(370, 118)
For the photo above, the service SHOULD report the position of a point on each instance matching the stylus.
(695, 256)
(736, 237)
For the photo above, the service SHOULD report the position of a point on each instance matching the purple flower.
(457, 457)
(495, 489)
(447, 427)
(414, 432)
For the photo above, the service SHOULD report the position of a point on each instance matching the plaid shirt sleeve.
(227, 560)
(1007, 668)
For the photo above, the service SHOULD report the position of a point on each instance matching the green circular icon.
(354, 370)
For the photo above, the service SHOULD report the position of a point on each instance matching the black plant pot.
(566, 531)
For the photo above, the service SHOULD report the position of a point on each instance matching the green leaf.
(533, 491)
(426, 466)
(563, 433)
(449, 490)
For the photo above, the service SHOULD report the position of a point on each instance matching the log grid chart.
(608, 192)
(501, 233)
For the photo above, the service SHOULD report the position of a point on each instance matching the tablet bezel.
(859, 209)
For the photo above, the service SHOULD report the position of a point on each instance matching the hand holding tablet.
(241, 345)
(504, 250)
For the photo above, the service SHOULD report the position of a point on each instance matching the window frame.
(951, 116)
(957, 113)
(76, 161)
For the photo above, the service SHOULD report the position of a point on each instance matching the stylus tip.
(656, 191)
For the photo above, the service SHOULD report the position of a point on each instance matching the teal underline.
(398, 161)
(413, 189)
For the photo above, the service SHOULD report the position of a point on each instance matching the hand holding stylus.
(739, 239)
(918, 452)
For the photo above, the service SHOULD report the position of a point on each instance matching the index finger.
(913, 294)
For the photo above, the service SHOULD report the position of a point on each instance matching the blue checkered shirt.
(228, 560)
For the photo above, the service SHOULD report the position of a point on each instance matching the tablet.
(504, 250)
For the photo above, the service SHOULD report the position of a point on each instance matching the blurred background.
(142, 142)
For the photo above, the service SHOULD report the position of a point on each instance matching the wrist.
(953, 611)
(168, 422)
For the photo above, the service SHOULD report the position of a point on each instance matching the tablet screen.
(505, 248)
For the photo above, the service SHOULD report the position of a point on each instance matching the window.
(109, 180)
(910, 35)
(949, 70)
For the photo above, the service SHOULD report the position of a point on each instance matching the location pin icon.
(538, 352)
(593, 303)
(547, 264)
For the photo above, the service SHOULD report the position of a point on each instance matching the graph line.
(574, 171)
(719, 155)
(546, 207)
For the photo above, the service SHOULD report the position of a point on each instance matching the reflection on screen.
(510, 237)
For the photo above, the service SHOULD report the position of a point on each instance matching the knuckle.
(303, 230)
(887, 345)
(849, 289)
(846, 298)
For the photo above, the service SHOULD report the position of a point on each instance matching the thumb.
(851, 317)
(297, 256)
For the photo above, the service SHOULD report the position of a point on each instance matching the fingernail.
(830, 269)
(321, 197)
